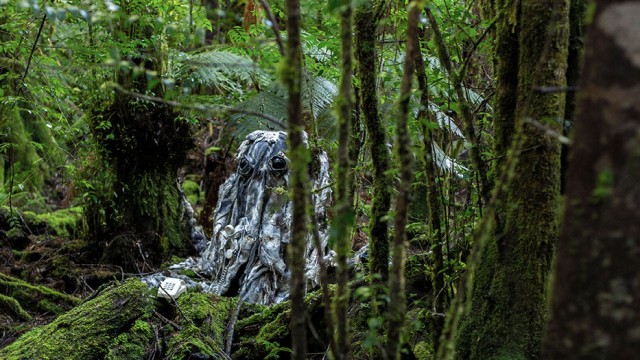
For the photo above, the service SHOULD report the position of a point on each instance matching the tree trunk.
(437, 270)
(397, 304)
(577, 26)
(506, 314)
(144, 145)
(366, 30)
(343, 214)
(299, 158)
(596, 296)
(135, 218)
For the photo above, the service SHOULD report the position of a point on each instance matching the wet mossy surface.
(203, 319)
(89, 330)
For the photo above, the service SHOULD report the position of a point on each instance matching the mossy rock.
(90, 330)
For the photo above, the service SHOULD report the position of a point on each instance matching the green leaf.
(211, 149)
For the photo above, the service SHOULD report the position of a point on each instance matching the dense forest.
(372, 179)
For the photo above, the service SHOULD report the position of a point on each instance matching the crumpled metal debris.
(251, 228)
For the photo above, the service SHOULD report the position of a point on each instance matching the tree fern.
(317, 98)
(219, 70)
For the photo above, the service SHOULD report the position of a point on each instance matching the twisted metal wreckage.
(251, 227)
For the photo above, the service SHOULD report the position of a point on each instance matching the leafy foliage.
(222, 71)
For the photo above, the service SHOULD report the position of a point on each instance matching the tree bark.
(366, 30)
(397, 304)
(299, 157)
(596, 296)
(505, 315)
(343, 214)
(577, 12)
(437, 270)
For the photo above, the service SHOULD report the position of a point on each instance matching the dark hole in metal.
(278, 165)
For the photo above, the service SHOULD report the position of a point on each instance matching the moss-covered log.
(88, 331)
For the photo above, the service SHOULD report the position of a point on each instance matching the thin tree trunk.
(440, 294)
(397, 305)
(343, 215)
(298, 155)
(596, 295)
(366, 30)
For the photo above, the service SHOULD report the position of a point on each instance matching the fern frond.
(220, 70)
(445, 121)
(446, 163)
(317, 97)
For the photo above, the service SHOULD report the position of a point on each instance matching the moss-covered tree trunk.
(366, 30)
(436, 272)
(596, 296)
(299, 156)
(137, 219)
(143, 145)
(506, 314)
(397, 304)
(343, 219)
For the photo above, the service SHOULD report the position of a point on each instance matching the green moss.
(190, 187)
(15, 233)
(192, 191)
(47, 305)
(21, 289)
(192, 199)
(11, 306)
(203, 318)
(62, 222)
(423, 351)
(189, 273)
(132, 345)
(266, 333)
(87, 331)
